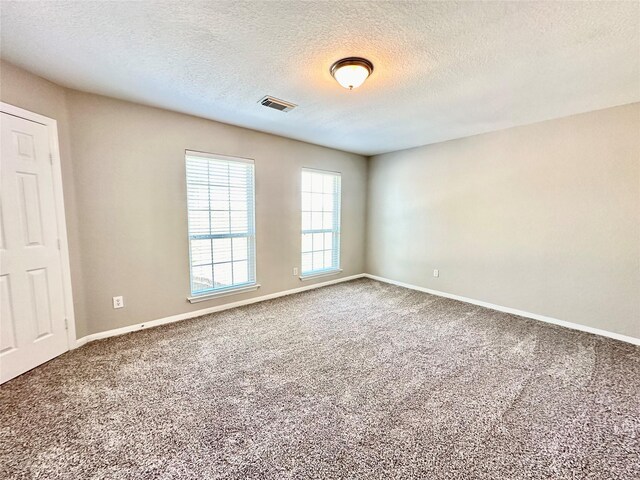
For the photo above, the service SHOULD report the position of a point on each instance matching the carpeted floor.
(357, 380)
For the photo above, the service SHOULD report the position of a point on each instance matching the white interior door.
(32, 308)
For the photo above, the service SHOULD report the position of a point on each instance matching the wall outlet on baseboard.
(436, 273)
(295, 271)
(118, 302)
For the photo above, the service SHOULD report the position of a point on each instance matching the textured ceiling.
(443, 70)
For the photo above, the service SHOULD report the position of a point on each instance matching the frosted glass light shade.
(351, 72)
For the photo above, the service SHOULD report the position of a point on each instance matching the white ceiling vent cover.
(277, 104)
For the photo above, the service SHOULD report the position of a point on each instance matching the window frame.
(336, 230)
(250, 233)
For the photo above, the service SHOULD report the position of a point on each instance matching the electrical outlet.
(295, 271)
(436, 273)
(118, 302)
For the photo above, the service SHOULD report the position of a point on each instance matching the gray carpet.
(358, 380)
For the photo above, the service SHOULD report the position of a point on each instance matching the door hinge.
(59, 245)
(66, 324)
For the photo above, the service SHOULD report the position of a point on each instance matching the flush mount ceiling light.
(351, 72)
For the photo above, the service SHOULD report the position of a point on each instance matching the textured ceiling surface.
(443, 70)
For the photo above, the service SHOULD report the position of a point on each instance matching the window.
(220, 197)
(320, 222)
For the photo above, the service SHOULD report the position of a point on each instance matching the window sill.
(225, 293)
(325, 273)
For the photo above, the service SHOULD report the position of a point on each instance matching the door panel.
(40, 303)
(7, 325)
(32, 322)
(29, 206)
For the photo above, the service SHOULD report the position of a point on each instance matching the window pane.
(318, 260)
(318, 241)
(306, 202)
(219, 222)
(237, 194)
(327, 220)
(198, 222)
(237, 175)
(238, 205)
(328, 258)
(199, 166)
(202, 278)
(327, 203)
(316, 220)
(307, 264)
(239, 222)
(240, 248)
(222, 275)
(316, 202)
(328, 184)
(218, 174)
(316, 182)
(200, 252)
(328, 240)
(307, 243)
(198, 197)
(221, 250)
(219, 198)
(306, 181)
(306, 220)
(240, 272)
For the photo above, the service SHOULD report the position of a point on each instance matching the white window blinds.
(220, 197)
(320, 222)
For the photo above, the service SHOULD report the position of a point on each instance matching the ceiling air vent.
(277, 104)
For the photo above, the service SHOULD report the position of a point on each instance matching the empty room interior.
(320, 240)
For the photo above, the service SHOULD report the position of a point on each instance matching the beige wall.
(130, 211)
(543, 218)
(35, 94)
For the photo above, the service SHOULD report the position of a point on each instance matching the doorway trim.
(56, 167)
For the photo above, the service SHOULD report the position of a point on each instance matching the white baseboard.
(205, 311)
(226, 306)
(521, 313)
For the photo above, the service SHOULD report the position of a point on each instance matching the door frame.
(56, 167)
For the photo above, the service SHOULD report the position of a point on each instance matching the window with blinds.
(320, 222)
(220, 197)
